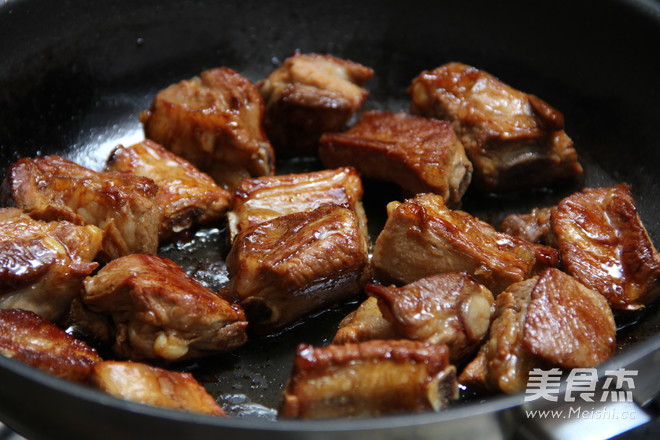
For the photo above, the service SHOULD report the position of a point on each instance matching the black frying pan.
(74, 75)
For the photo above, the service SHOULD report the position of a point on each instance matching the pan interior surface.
(74, 77)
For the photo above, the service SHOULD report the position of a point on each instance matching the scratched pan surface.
(74, 75)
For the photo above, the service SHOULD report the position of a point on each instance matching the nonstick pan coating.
(74, 75)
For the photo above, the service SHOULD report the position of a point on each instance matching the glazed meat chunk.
(186, 196)
(422, 237)
(418, 154)
(35, 341)
(604, 245)
(369, 379)
(154, 386)
(533, 227)
(308, 95)
(213, 120)
(258, 200)
(364, 324)
(287, 267)
(450, 309)
(122, 205)
(157, 312)
(513, 139)
(551, 320)
(503, 363)
(43, 264)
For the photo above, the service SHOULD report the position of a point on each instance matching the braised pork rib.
(369, 379)
(157, 312)
(418, 154)
(213, 120)
(35, 341)
(287, 267)
(513, 139)
(43, 264)
(604, 244)
(449, 308)
(261, 199)
(364, 324)
(122, 205)
(308, 95)
(545, 321)
(154, 386)
(422, 237)
(186, 196)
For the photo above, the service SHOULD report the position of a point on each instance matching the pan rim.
(492, 405)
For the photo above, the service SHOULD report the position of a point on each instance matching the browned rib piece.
(604, 244)
(546, 321)
(186, 196)
(160, 313)
(422, 237)
(369, 379)
(122, 205)
(35, 341)
(364, 324)
(568, 324)
(450, 309)
(308, 95)
(258, 200)
(513, 139)
(285, 268)
(503, 363)
(213, 120)
(43, 264)
(154, 386)
(418, 154)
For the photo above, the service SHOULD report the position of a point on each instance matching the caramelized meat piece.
(369, 379)
(418, 154)
(159, 312)
(308, 95)
(215, 122)
(259, 200)
(450, 309)
(35, 341)
(533, 227)
(513, 139)
(503, 363)
(186, 196)
(568, 324)
(122, 205)
(422, 238)
(154, 386)
(605, 246)
(287, 267)
(549, 320)
(43, 264)
(364, 324)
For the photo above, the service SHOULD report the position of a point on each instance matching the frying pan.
(75, 74)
